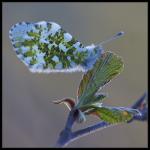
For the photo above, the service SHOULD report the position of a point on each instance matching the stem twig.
(67, 136)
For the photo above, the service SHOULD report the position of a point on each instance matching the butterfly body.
(45, 47)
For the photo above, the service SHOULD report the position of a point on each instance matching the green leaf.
(107, 67)
(94, 99)
(114, 114)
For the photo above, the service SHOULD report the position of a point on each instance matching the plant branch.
(140, 105)
(91, 129)
(67, 136)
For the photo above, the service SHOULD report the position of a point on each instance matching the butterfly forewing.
(46, 47)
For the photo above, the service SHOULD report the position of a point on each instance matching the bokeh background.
(30, 119)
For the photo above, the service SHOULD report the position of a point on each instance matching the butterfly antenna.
(116, 36)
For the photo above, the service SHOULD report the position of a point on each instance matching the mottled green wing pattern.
(45, 46)
(106, 68)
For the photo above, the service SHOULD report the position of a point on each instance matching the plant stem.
(66, 133)
(67, 136)
(89, 130)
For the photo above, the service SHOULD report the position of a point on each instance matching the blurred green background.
(30, 119)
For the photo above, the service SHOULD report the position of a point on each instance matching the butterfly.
(46, 47)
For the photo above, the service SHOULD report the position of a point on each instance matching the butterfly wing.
(46, 47)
